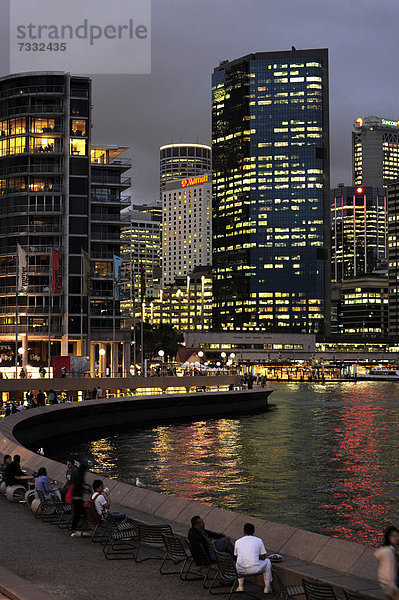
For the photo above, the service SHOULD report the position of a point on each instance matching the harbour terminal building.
(60, 202)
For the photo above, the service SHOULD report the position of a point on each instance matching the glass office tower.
(358, 231)
(270, 145)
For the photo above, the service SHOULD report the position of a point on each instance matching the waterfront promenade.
(54, 565)
(58, 564)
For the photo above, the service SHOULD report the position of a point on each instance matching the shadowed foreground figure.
(388, 563)
(209, 541)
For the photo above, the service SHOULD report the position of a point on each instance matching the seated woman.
(42, 483)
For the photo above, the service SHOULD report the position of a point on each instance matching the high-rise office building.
(393, 259)
(358, 231)
(59, 197)
(375, 151)
(270, 153)
(178, 161)
(141, 253)
(186, 226)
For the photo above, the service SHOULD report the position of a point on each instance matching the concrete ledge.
(304, 545)
(16, 588)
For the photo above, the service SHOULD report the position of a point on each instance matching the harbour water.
(326, 459)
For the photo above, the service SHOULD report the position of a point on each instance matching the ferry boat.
(381, 373)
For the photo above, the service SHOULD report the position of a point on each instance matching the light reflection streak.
(326, 460)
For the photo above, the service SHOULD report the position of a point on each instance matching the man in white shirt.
(102, 501)
(251, 558)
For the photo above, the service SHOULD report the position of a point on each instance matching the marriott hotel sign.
(190, 181)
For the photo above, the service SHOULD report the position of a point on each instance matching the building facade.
(375, 151)
(358, 231)
(185, 304)
(393, 259)
(141, 253)
(270, 148)
(59, 199)
(186, 226)
(178, 161)
(362, 306)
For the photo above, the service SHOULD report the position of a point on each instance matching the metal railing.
(24, 208)
(32, 89)
(125, 162)
(33, 169)
(50, 109)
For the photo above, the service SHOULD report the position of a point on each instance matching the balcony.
(31, 330)
(110, 180)
(49, 228)
(25, 209)
(31, 310)
(32, 188)
(124, 163)
(31, 90)
(11, 250)
(106, 218)
(50, 109)
(31, 169)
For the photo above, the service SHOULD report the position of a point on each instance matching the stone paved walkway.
(75, 568)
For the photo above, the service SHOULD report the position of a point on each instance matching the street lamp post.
(161, 354)
(102, 353)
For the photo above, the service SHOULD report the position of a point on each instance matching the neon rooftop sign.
(194, 181)
(392, 123)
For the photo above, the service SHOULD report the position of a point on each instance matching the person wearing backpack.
(78, 489)
(102, 502)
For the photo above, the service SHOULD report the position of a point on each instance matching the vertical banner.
(22, 277)
(56, 272)
(86, 274)
(142, 282)
(117, 277)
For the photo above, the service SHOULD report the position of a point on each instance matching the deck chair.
(45, 509)
(285, 592)
(228, 575)
(353, 595)
(315, 590)
(119, 539)
(151, 536)
(204, 564)
(177, 550)
(62, 514)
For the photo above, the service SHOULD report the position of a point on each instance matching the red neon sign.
(194, 181)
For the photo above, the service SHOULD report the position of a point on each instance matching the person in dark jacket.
(14, 475)
(203, 543)
(79, 488)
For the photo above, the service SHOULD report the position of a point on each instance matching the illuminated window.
(77, 147)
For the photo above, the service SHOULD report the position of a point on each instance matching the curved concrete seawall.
(342, 563)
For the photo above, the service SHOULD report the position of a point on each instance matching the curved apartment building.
(59, 198)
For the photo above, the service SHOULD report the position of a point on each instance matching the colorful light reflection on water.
(326, 460)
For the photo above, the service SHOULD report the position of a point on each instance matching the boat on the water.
(381, 373)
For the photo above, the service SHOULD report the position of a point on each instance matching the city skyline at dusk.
(173, 104)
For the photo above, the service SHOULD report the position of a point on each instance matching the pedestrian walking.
(388, 563)
(79, 488)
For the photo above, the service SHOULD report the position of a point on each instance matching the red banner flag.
(56, 272)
